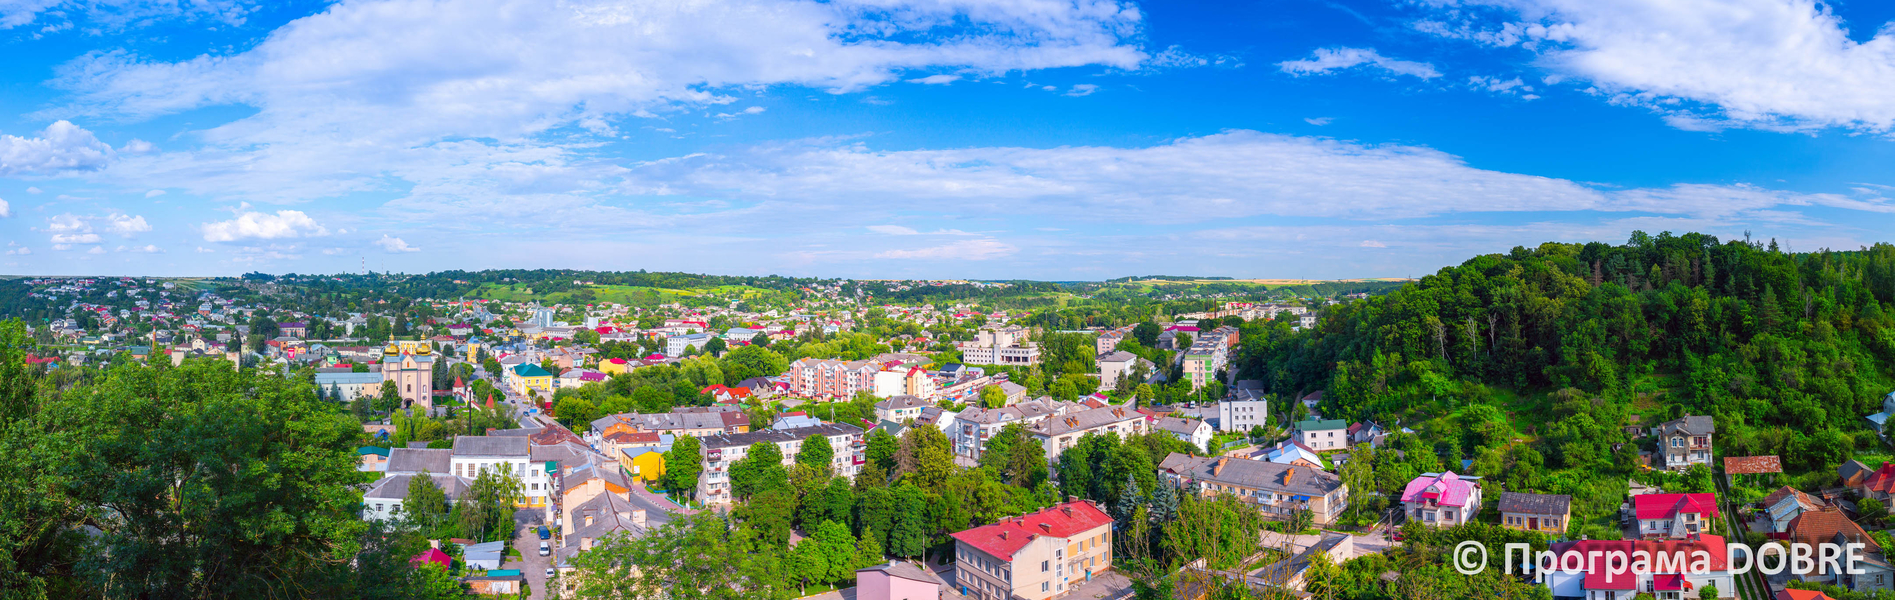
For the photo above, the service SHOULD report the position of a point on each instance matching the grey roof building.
(1539, 504)
(415, 460)
(470, 446)
(1277, 489)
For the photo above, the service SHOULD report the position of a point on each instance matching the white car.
(546, 549)
(549, 572)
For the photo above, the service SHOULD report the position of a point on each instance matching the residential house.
(295, 329)
(1674, 515)
(676, 345)
(373, 458)
(1291, 452)
(1660, 581)
(1062, 432)
(1115, 364)
(1852, 473)
(611, 444)
(1278, 490)
(505, 454)
(1785, 505)
(723, 450)
(411, 461)
(1195, 431)
(645, 462)
(1879, 421)
(1324, 435)
(1035, 556)
(1879, 484)
(526, 377)
(901, 408)
(696, 422)
(1685, 442)
(496, 582)
(388, 497)
(1834, 527)
(899, 581)
(1441, 499)
(1547, 513)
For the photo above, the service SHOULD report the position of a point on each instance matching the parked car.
(545, 534)
(549, 572)
(546, 549)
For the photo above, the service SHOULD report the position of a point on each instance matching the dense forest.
(1533, 364)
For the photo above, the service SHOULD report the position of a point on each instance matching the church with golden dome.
(410, 365)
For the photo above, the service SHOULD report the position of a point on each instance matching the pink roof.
(1600, 577)
(616, 361)
(1003, 539)
(1665, 506)
(1447, 490)
(433, 555)
(655, 357)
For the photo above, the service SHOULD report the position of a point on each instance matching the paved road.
(527, 539)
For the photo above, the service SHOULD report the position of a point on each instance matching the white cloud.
(32, 190)
(1373, 244)
(115, 14)
(394, 245)
(1773, 64)
(937, 79)
(66, 222)
(203, 250)
(1319, 121)
(1232, 175)
(148, 249)
(61, 147)
(1083, 89)
(126, 224)
(62, 247)
(263, 226)
(64, 239)
(5, 210)
(1334, 59)
(980, 249)
(96, 250)
(138, 146)
(21, 250)
(154, 193)
(1175, 57)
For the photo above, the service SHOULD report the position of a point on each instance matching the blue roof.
(503, 572)
(372, 450)
(347, 378)
(530, 370)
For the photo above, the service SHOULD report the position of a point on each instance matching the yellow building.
(615, 366)
(526, 377)
(643, 462)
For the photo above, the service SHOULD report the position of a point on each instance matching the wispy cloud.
(1336, 59)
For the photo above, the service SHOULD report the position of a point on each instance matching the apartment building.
(1323, 435)
(1036, 556)
(676, 345)
(696, 422)
(1118, 363)
(722, 451)
(1059, 433)
(828, 378)
(1243, 410)
(1203, 360)
(974, 426)
(1278, 490)
(1000, 346)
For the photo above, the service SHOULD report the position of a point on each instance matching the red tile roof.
(1822, 527)
(1750, 465)
(1665, 506)
(1003, 539)
(1883, 480)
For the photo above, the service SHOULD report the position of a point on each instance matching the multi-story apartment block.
(828, 378)
(1243, 410)
(696, 422)
(1278, 490)
(675, 345)
(1034, 557)
(1203, 360)
(1108, 341)
(1685, 442)
(1059, 433)
(974, 426)
(1114, 364)
(722, 451)
(1000, 346)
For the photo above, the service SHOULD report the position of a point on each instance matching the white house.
(507, 454)
(1243, 410)
(1195, 431)
(387, 498)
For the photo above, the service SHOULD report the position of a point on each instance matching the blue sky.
(1046, 139)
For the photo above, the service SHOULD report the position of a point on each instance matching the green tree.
(881, 449)
(486, 509)
(816, 453)
(715, 347)
(426, 504)
(768, 514)
(760, 469)
(691, 557)
(683, 464)
(837, 547)
(908, 536)
(389, 400)
(993, 396)
(925, 457)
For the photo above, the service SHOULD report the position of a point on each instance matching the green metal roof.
(530, 370)
(1315, 425)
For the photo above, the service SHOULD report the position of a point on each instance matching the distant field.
(619, 294)
(1264, 282)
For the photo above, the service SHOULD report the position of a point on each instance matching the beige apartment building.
(1034, 557)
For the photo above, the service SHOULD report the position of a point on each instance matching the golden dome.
(424, 350)
(393, 349)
